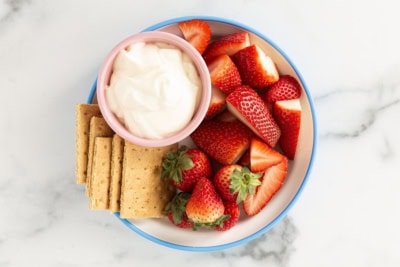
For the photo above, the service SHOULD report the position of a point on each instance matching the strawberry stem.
(244, 182)
(174, 162)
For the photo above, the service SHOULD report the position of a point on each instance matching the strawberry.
(197, 33)
(176, 210)
(262, 156)
(205, 207)
(288, 116)
(224, 74)
(185, 167)
(272, 181)
(245, 159)
(256, 68)
(234, 182)
(286, 88)
(225, 116)
(249, 107)
(228, 44)
(232, 209)
(217, 102)
(225, 142)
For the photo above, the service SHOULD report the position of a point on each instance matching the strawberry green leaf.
(244, 182)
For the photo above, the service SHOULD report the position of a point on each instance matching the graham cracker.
(98, 128)
(84, 112)
(144, 194)
(116, 172)
(100, 181)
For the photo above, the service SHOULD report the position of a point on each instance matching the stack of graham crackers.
(119, 176)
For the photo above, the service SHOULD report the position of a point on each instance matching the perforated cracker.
(84, 112)
(144, 194)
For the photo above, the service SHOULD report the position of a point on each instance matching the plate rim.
(309, 168)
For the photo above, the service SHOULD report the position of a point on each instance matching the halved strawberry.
(288, 116)
(225, 142)
(224, 73)
(197, 33)
(228, 44)
(286, 88)
(217, 102)
(262, 156)
(256, 68)
(271, 182)
(248, 107)
(232, 209)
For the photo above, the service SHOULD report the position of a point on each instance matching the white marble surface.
(347, 51)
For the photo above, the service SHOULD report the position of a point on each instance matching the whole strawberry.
(205, 207)
(233, 211)
(176, 210)
(185, 167)
(234, 182)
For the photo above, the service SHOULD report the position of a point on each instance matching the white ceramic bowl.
(248, 228)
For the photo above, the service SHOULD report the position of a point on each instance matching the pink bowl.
(106, 71)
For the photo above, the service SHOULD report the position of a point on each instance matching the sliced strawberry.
(248, 107)
(271, 182)
(232, 209)
(256, 68)
(262, 156)
(224, 73)
(288, 116)
(197, 33)
(228, 44)
(225, 142)
(217, 102)
(286, 88)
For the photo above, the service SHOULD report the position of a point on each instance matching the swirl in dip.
(154, 89)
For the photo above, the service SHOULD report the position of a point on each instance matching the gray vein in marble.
(14, 7)
(348, 113)
(274, 247)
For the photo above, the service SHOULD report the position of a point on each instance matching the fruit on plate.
(262, 156)
(255, 67)
(224, 73)
(271, 182)
(197, 33)
(185, 167)
(232, 209)
(176, 210)
(228, 44)
(249, 107)
(234, 182)
(217, 102)
(286, 88)
(225, 142)
(288, 116)
(205, 207)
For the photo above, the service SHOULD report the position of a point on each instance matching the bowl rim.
(198, 62)
(309, 168)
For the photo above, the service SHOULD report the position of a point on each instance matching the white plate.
(161, 231)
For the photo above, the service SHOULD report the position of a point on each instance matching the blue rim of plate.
(296, 196)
